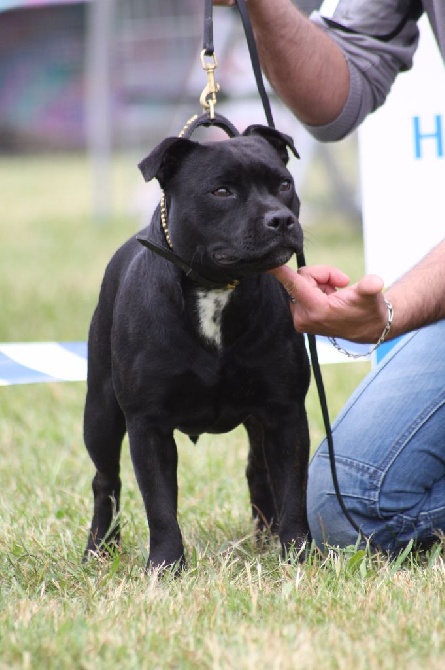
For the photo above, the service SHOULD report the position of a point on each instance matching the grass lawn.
(234, 607)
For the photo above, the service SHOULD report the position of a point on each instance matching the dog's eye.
(285, 185)
(222, 192)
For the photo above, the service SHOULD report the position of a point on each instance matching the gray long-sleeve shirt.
(378, 38)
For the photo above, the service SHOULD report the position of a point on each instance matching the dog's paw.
(164, 569)
(297, 551)
(106, 548)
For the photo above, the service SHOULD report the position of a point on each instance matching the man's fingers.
(370, 285)
(304, 289)
(325, 277)
(291, 280)
(285, 275)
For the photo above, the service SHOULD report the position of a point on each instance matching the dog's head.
(232, 209)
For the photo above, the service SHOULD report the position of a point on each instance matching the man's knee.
(327, 522)
(387, 526)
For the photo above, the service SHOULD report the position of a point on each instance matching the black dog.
(166, 352)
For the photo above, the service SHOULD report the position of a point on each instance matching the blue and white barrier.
(33, 362)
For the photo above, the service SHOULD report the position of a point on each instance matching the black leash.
(301, 262)
(254, 59)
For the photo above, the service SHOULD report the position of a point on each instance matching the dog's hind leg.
(286, 448)
(277, 471)
(104, 429)
(264, 508)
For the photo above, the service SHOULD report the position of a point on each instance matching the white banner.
(402, 166)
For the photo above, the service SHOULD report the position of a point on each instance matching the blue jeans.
(389, 443)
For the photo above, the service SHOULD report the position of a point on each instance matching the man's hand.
(326, 305)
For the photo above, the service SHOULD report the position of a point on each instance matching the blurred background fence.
(119, 75)
(50, 50)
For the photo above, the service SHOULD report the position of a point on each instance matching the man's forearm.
(306, 68)
(419, 296)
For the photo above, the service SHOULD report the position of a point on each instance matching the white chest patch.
(211, 304)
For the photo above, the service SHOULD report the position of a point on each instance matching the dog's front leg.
(155, 459)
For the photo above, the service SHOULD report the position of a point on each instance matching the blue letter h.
(437, 135)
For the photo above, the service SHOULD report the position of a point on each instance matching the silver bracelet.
(381, 339)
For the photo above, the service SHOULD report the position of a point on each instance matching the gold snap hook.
(208, 96)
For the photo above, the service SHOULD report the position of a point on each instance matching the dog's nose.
(279, 221)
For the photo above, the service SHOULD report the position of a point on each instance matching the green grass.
(234, 607)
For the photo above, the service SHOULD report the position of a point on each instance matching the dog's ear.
(279, 141)
(165, 159)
